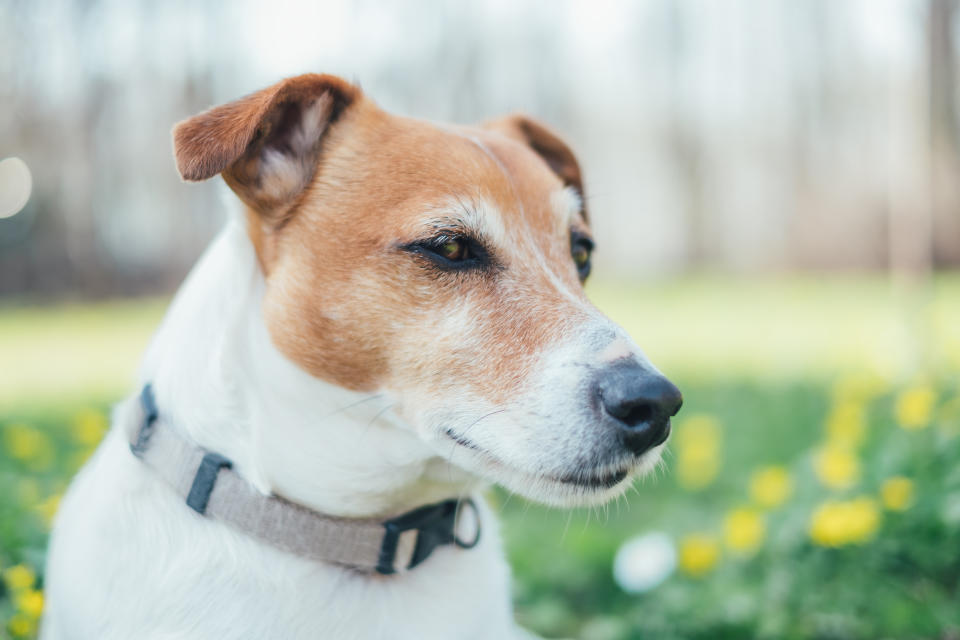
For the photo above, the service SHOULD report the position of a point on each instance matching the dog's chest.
(162, 567)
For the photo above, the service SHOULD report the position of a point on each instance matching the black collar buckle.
(436, 525)
(150, 414)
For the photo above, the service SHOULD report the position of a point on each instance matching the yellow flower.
(88, 427)
(699, 553)
(846, 424)
(860, 387)
(836, 467)
(48, 508)
(30, 602)
(29, 445)
(744, 530)
(698, 441)
(770, 486)
(838, 523)
(21, 626)
(19, 577)
(914, 407)
(897, 493)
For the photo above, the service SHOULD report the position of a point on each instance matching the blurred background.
(775, 194)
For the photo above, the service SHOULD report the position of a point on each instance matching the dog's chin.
(581, 489)
(575, 488)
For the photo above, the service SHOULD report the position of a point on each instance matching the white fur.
(129, 560)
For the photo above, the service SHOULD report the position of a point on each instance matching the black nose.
(641, 403)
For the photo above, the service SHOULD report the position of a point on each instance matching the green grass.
(762, 363)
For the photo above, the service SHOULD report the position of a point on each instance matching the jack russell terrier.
(396, 319)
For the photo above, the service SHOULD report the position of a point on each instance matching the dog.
(394, 319)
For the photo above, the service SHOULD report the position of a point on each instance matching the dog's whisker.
(352, 405)
(480, 419)
(566, 527)
(369, 426)
(507, 501)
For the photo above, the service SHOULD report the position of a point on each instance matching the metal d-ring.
(467, 502)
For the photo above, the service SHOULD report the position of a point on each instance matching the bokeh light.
(16, 184)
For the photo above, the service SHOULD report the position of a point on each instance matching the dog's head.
(444, 264)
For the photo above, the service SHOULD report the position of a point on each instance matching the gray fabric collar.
(213, 489)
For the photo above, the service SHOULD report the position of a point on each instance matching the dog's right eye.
(580, 249)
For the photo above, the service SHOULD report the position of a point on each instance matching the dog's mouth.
(583, 479)
(597, 481)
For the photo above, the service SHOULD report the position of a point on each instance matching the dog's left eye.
(580, 249)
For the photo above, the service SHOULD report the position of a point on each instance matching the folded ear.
(266, 144)
(547, 144)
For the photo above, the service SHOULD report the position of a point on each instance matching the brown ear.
(547, 144)
(266, 144)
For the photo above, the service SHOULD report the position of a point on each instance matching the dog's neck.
(219, 379)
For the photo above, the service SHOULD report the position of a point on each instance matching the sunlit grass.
(72, 352)
(783, 328)
(789, 327)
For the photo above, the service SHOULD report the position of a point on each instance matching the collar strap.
(210, 486)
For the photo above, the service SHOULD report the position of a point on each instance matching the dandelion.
(744, 530)
(48, 508)
(897, 493)
(644, 562)
(837, 523)
(19, 577)
(28, 445)
(770, 486)
(699, 553)
(914, 407)
(836, 467)
(698, 451)
(30, 603)
(859, 387)
(88, 427)
(21, 626)
(846, 424)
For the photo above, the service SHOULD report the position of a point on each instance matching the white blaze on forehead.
(475, 215)
(566, 205)
(489, 220)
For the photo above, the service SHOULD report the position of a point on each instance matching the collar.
(209, 485)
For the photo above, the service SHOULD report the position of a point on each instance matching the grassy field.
(812, 487)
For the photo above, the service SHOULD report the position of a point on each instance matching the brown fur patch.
(350, 306)
(232, 138)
